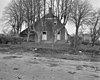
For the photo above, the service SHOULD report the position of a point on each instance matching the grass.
(62, 54)
(53, 65)
(61, 51)
(10, 57)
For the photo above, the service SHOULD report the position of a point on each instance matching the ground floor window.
(59, 35)
(44, 35)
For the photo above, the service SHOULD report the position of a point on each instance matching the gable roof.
(51, 16)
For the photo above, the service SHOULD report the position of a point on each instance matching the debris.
(19, 77)
(15, 68)
(80, 51)
(35, 58)
(97, 69)
(79, 67)
(96, 76)
(33, 62)
(35, 49)
(37, 55)
(71, 72)
(53, 65)
(10, 57)
(89, 68)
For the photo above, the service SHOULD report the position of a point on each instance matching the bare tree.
(30, 11)
(32, 14)
(28, 14)
(95, 26)
(13, 15)
(62, 11)
(80, 14)
(19, 11)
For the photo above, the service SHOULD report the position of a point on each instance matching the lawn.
(61, 51)
(33, 62)
(30, 61)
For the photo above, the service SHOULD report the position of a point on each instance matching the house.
(24, 34)
(48, 30)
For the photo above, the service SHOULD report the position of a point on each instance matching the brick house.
(48, 30)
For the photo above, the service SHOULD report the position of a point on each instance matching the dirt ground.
(29, 66)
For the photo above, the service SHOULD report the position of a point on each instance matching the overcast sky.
(4, 3)
(96, 5)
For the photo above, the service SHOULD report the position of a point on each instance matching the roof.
(24, 32)
(49, 16)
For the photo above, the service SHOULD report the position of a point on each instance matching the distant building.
(50, 30)
(87, 37)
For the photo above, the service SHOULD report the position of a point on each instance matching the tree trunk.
(93, 40)
(14, 30)
(39, 37)
(76, 38)
(94, 32)
(93, 43)
(28, 35)
(55, 37)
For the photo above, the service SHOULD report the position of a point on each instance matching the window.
(44, 35)
(59, 35)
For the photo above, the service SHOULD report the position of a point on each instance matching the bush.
(16, 40)
(71, 40)
(3, 40)
(85, 42)
(97, 43)
(10, 39)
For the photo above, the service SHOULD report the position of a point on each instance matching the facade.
(49, 29)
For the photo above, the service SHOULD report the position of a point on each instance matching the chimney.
(50, 10)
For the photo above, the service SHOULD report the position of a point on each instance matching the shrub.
(11, 39)
(71, 40)
(16, 40)
(97, 43)
(85, 42)
(3, 40)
